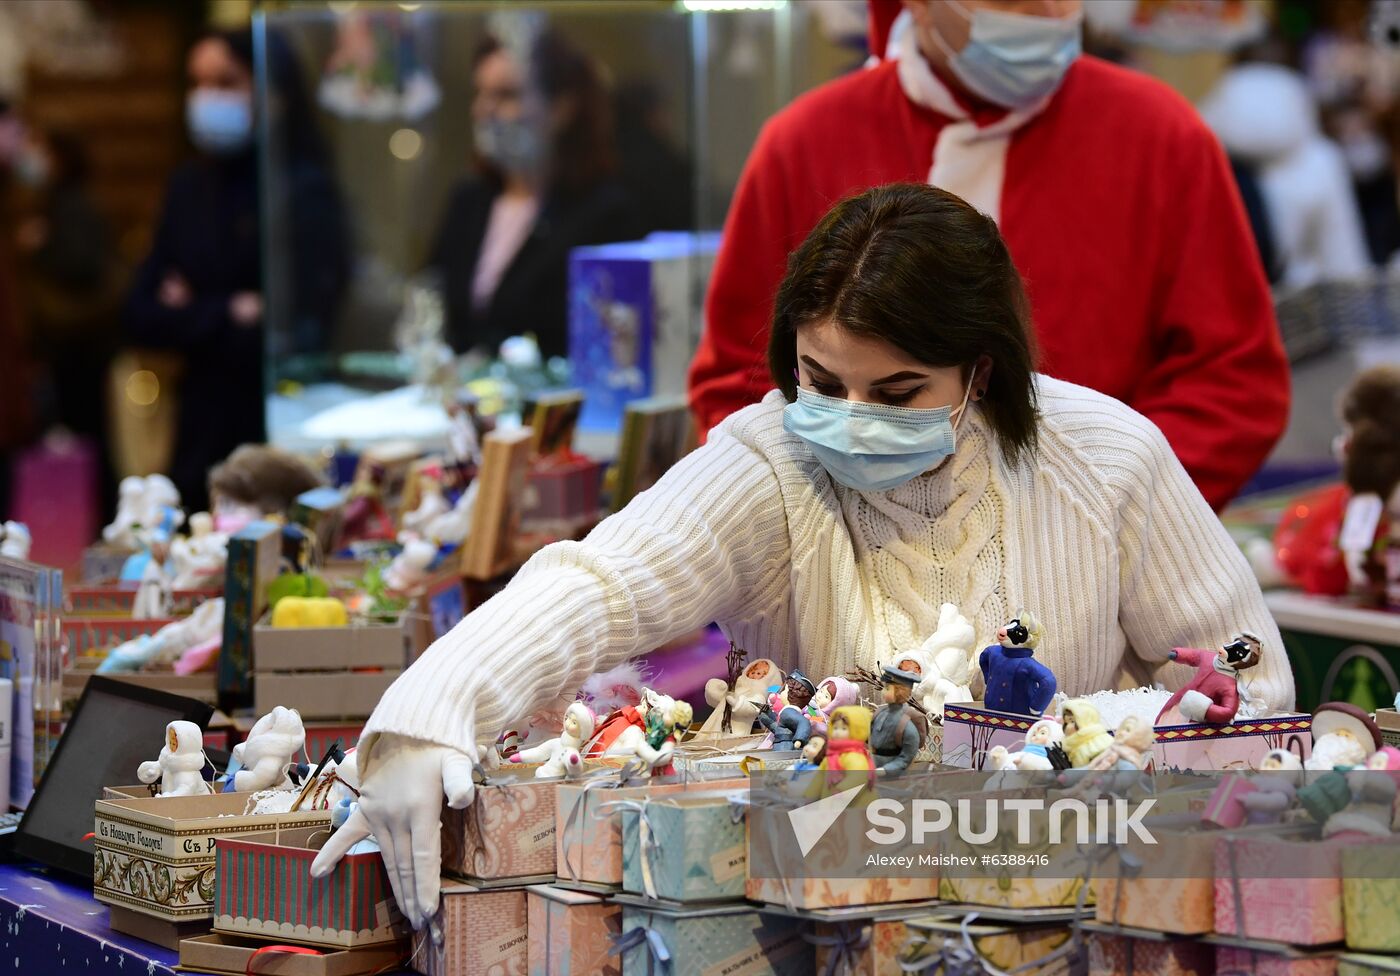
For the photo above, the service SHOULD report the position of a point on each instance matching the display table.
(51, 925)
(1339, 651)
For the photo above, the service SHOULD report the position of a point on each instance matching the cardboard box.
(156, 855)
(1302, 911)
(564, 496)
(93, 637)
(228, 955)
(571, 933)
(507, 832)
(321, 511)
(102, 563)
(156, 931)
(492, 546)
(860, 948)
(1259, 961)
(264, 889)
(686, 848)
(970, 732)
(484, 933)
(327, 672)
(1371, 897)
(588, 840)
(1122, 955)
(1358, 964)
(1161, 898)
(1027, 950)
(116, 600)
(1388, 720)
(254, 555)
(729, 941)
(202, 686)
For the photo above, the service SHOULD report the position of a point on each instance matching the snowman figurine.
(180, 767)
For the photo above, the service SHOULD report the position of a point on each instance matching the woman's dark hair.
(583, 154)
(296, 122)
(923, 270)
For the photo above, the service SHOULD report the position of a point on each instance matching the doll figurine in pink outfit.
(1213, 695)
(833, 693)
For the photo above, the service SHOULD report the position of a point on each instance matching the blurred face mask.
(1010, 59)
(870, 446)
(220, 122)
(514, 145)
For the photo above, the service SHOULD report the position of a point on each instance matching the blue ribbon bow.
(639, 937)
(846, 946)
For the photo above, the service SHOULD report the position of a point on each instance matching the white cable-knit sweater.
(1101, 533)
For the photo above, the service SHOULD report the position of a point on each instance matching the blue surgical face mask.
(1013, 60)
(220, 122)
(869, 446)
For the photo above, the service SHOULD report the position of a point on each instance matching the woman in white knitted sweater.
(910, 457)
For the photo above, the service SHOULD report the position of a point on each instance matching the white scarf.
(967, 159)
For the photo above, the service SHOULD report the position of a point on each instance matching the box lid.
(563, 895)
(201, 814)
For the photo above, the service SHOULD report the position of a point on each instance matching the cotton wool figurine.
(1016, 682)
(1086, 737)
(180, 767)
(1343, 736)
(561, 756)
(261, 761)
(1041, 737)
(950, 663)
(1213, 693)
(736, 708)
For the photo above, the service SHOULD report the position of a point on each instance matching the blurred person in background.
(16, 405)
(200, 290)
(1116, 201)
(657, 175)
(70, 281)
(545, 182)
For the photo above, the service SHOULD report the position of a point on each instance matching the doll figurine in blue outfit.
(1016, 681)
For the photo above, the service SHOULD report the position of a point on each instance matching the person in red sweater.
(1116, 201)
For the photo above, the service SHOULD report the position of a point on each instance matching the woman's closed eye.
(900, 397)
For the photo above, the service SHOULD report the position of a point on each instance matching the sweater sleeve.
(729, 370)
(709, 541)
(1183, 582)
(1219, 388)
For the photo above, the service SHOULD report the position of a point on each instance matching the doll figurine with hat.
(1213, 694)
(560, 756)
(1086, 737)
(897, 731)
(737, 699)
(1275, 788)
(1343, 736)
(1016, 682)
(1356, 802)
(847, 761)
(787, 718)
(832, 693)
(1041, 738)
(180, 768)
(665, 725)
(1132, 747)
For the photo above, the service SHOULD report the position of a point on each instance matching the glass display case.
(438, 178)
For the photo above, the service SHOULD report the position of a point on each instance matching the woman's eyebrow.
(898, 377)
(812, 364)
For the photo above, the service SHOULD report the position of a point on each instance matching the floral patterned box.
(1257, 961)
(571, 933)
(1305, 910)
(728, 941)
(970, 731)
(263, 889)
(1126, 955)
(484, 934)
(506, 833)
(1371, 897)
(1180, 900)
(1027, 950)
(155, 855)
(688, 847)
(588, 839)
(861, 948)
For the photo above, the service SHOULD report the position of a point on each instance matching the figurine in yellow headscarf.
(847, 751)
(1085, 736)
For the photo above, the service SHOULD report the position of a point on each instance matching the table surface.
(1332, 617)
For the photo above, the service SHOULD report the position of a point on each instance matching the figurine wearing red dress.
(1213, 695)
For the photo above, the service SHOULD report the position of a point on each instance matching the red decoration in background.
(1306, 541)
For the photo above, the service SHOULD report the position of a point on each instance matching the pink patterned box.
(1305, 910)
(484, 934)
(860, 948)
(970, 731)
(1122, 955)
(571, 933)
(1175, 891)
(1260, 962)
(507, 832)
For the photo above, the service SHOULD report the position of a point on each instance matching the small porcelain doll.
(201, 558)
(1132, 747)
(120, 532)
(1343, 736)
(181, 764)
(553, 754)
(1016, 682)
(1275, 788)
(262, 760)
(168, 643)
(1086, 738)
(665, 726)
(832, 693)
(847, 762)
(1034, 755)
(787, 719)
(411, 566)
(897, 731)
(741, 703)
(1213, 694)
(430, 506)
(812, 753)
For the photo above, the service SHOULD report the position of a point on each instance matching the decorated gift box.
(571, 933)
(155, 855)
(688, 847)
(263, 888)
(1253, 901)
(945, 944)
(1371, 897)
(228, 955)
(588, 841)
(970, 732)
(506, 833)
(728, 941)
(1361, 964)
(869, 947)
(484, 934)
(1142, 954)
(832, 875)
(1275, 961)
(1174, 891)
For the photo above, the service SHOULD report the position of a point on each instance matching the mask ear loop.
(967, 394)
